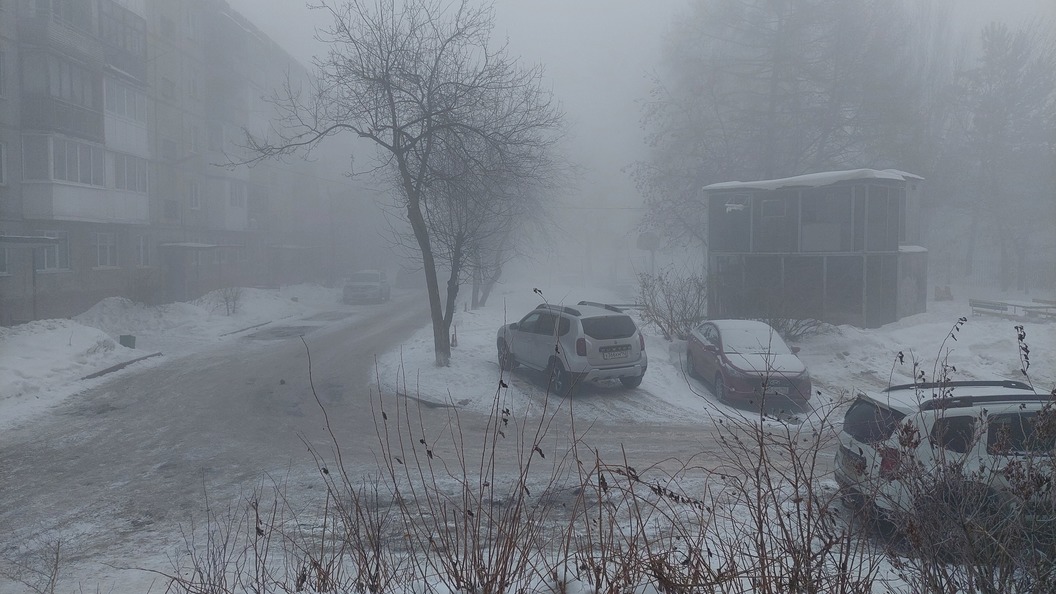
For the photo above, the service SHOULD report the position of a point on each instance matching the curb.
(114, 368)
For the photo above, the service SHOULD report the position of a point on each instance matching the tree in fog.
(758, 89)
(421, 81)
(477, 209)
(1007, 104)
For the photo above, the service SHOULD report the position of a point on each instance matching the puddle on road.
(328, 316)
(281, 332)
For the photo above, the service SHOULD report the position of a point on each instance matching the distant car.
(747, 361)
(367, 286)
(587, 342)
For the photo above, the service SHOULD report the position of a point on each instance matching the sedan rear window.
(869, 423)
(609, 327)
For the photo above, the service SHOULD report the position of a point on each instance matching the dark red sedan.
(748, 363)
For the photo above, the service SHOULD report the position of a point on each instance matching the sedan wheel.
(720, 388)
(691, 367)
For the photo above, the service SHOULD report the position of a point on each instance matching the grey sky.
(597, 55)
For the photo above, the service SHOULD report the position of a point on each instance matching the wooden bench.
(1048, 312)
(988, 307)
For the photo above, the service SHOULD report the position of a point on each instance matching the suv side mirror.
(513, 326)
(795, 350)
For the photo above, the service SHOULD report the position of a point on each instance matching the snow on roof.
(189, 245)
(813, 180)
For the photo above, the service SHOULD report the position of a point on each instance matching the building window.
(172, 209)
(3, 164)
(196, 145)
(78, 162)
(35, 158)
(75, 13)
(71, 82)
(54, 257)
(122, 28)
(238, 194)
(168, 88)
(125, 101)
(142, 250)
(4, 271)
(168, 149)
(104, 245)
(194, 194)
(3, 73)
(130, 173)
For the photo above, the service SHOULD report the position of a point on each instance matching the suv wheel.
(506, 360)
(632, 382)
(560, 381)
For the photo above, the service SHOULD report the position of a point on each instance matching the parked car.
(588, 342)
(366, 285)
(952, 443)
(747, 361)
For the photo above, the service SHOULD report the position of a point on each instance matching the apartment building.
(115, 119)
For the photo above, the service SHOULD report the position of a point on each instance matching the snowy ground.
(42, 362)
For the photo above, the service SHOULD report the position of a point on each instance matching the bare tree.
(421, 82)
(756, 89)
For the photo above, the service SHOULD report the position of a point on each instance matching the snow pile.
(42, 362)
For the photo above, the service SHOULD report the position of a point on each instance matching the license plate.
(614, 355)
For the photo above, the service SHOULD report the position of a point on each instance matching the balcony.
(48, 114)
(71, 202)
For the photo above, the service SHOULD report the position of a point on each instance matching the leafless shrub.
(39, 571)
(675, 303)
(792, 329)
(231, 297)
(973, 522)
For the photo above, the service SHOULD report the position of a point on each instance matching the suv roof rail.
(965, 401)
(562, 308)
(601, 305)
(1009, 384)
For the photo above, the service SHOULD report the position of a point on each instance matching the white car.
(367, 285)
(949, 442)
(587, 342)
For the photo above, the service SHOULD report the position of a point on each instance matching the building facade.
(115, 119)
(838, 246)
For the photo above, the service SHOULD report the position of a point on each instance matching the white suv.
(587, 342)
(991, 442)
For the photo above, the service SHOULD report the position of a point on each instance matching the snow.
(813, 180)
(43, 362)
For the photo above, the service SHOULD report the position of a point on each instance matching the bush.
(675, 303)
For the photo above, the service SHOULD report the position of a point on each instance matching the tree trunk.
(477, 273)
(452, 290)
(441, 339)
(492, 279)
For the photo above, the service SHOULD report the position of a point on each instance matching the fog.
(602, 59)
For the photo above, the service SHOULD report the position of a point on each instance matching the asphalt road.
(116, 471)
(120, 474)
